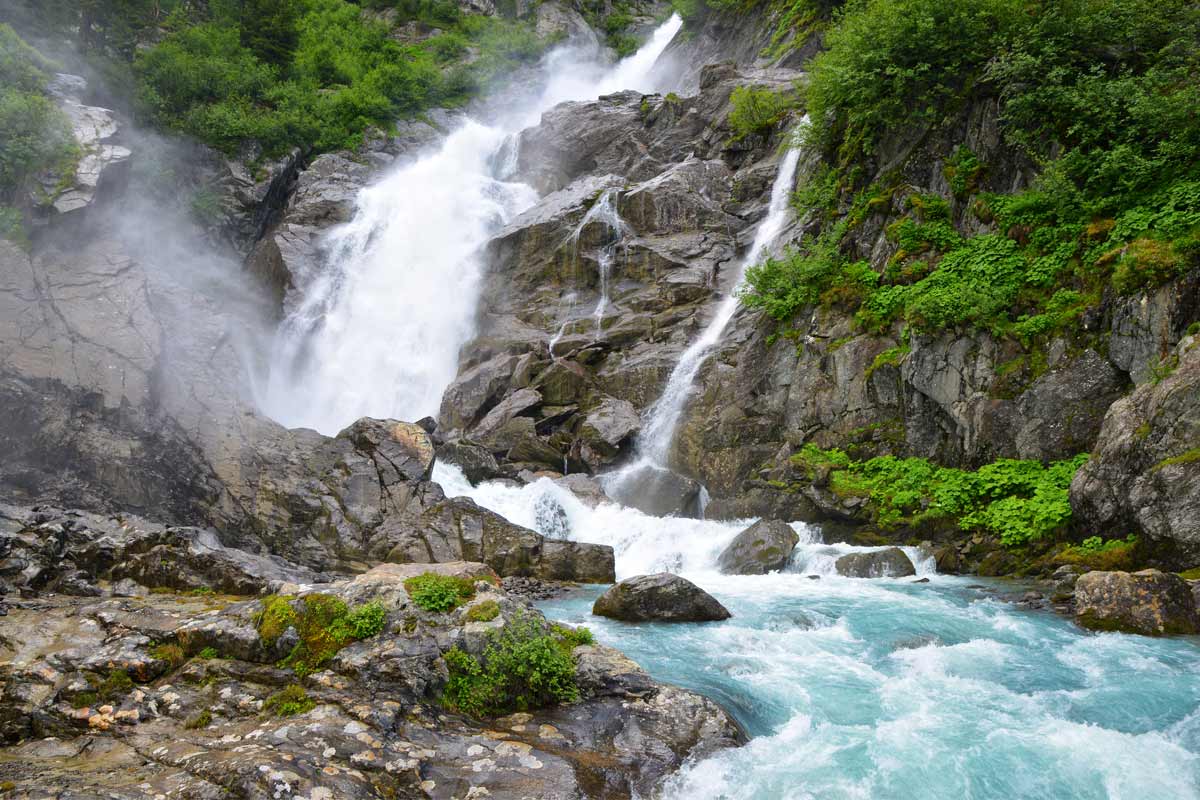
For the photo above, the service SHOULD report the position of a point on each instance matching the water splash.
(604, 213)
(378, 331)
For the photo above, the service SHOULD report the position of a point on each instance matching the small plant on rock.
(201, 720)
(439, 593)
(171, 653)
(485, 611)
(524, 666)
(290, 701)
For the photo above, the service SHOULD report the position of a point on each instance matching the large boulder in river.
(763, 547)
(891, 562)
(661, 597)
(1147, 602)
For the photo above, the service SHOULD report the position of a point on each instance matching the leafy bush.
(757, 110)
(322, 78)
(208, 652)
(289, 701)
(1097, 553)
(1020, 501)
(522, 667)
(434, 592)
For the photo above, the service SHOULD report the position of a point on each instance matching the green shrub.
(572, 637)
(208, 652)
(757, 110)
(364, 621)
(439, 593)
(1097, 553)
(522, 667)
(289, 701)
(1019, 501)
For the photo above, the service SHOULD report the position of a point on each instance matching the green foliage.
(522, 667)
(208, 652)
(324, 624)
(12, 226)
(1097, 553)
(1020, 501)
(486, 611)
(1100, 93)
(893, 64)
(572, 637)
(1187, 457)
(757, 110)
(317, 73)
(434, 592)
(35, 136)
(289, 701)
(268, 30)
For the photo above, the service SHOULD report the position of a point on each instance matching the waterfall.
(663, 418)
(604, 212)
(378, 332)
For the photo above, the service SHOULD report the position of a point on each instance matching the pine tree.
(268, 29)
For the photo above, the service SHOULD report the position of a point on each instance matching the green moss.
(171, 653)
(1186, 457)
(208, 652)
(289, 701)
(200, 720)
(84, 699)
(486, 611)
(439, 593)
(1191, 574)
(1097, 553)
(277, 616)
(892, 357)
(323, 623)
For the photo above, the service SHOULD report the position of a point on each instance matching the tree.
(268, 29)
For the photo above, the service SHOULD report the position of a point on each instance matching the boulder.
(661, 597)
(764, 547)
(610, 425)
(476, 462)
(1148, 602)
(891, 562)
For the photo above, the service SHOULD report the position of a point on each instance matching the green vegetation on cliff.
(1019, 501)
(35, 135)
(333, 70)
(323, 623)
(291, 73)
(1097, 96)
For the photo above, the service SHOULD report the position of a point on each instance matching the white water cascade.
(662, 419)
(604, 212)
(378, 332)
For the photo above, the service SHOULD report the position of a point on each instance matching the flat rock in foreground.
(661, 597)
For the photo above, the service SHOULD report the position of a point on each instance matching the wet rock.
(1063, 581)
(585, 487)
(1147, 602)
(602, 670)
(609, 426)
(477, 462)
(660, 597)
(764, 547)
(658, 492)
(891, 562)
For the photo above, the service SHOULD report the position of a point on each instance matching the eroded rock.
(661, 597)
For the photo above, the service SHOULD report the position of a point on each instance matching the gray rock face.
(763, 547)
(889, 563)
(662, 597)
(1144, 473)
(1147, 602)
(200, 727)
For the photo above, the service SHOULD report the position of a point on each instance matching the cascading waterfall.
(663, 418)
(604, 213)
(378, 332)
